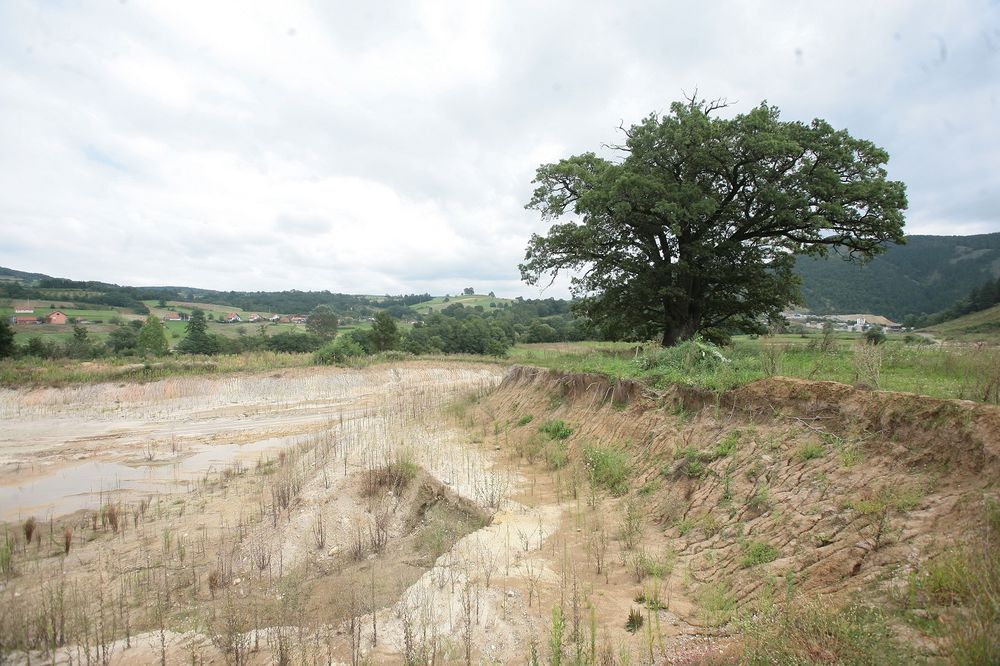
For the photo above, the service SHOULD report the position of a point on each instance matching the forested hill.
(927, 275)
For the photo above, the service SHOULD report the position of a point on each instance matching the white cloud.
(389, 147)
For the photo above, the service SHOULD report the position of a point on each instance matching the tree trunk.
(679, 331)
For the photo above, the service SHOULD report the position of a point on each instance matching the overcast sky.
(371, 147)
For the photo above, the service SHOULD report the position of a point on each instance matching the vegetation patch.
(608, 468)
(815, 633)
(757, 552)
(555, 429)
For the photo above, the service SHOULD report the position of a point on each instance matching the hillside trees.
(695, 228)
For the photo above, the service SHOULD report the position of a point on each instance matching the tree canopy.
(152, 338)
(322, 322)
(694, 228)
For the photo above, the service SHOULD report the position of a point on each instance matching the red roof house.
(56, 318)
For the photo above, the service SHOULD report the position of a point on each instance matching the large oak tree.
(694, 228)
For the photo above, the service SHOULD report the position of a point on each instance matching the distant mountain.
(12, 275)
(927, 275)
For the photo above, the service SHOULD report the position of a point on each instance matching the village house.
(22, 308)
(297, 319)
(172, 316)
(23, 320)
(254, 318)
(274, 319)
(56, 317)
(232, 318)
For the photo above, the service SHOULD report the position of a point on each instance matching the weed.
(760, 500)
(634, 621)
(649, 488)
(524, 420)
(556, 454)
(758, 552)
(717, 603)
(555, 429)
(818, 633)
(810, 450)
(608, 469)
(727, 445)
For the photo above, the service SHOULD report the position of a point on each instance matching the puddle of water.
(81, 486)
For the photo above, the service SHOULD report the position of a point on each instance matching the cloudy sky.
(388, 147)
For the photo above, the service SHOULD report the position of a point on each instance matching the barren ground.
(420, 513)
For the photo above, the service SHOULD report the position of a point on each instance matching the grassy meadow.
(934, 370)
(471, 301)
(982, 326)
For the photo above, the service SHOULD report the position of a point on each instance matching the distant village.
(842, 322)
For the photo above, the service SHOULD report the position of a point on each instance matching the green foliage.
(555, 429)
(717, 603)
(556, 454)
(675, 236)
(197, 340)
(292, 342)
(556, 630)
(634, 621)
(322, 322)
(525, 420)
(338, 351)
(817, 633)
(608, 468)
(757, 552)
(152, 339)
(875, 335)
(7, 347)
(810, 450)
(384, 333)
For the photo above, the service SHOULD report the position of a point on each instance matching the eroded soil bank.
(436, 514)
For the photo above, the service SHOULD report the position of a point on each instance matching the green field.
(943, 372)
(982, 326)
(438, 304)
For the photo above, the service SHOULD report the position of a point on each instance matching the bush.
(338, 351)
(817, 633)
(758, 552)
(556, 429)
(608, 469)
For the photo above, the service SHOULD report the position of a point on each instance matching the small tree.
(6, 340)
(385, 333)
(152, 338)
(322, 322)
(875, 335)
(197, 340)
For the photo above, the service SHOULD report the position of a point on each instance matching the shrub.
(810, 450)
(816, 633)
(608, 469)
(556, 454)
(524, 420)
(758, 552)
(555, 429)
(338, 351)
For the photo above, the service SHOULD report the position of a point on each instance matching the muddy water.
(84, 485)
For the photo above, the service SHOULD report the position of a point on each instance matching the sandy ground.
(209, 529)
